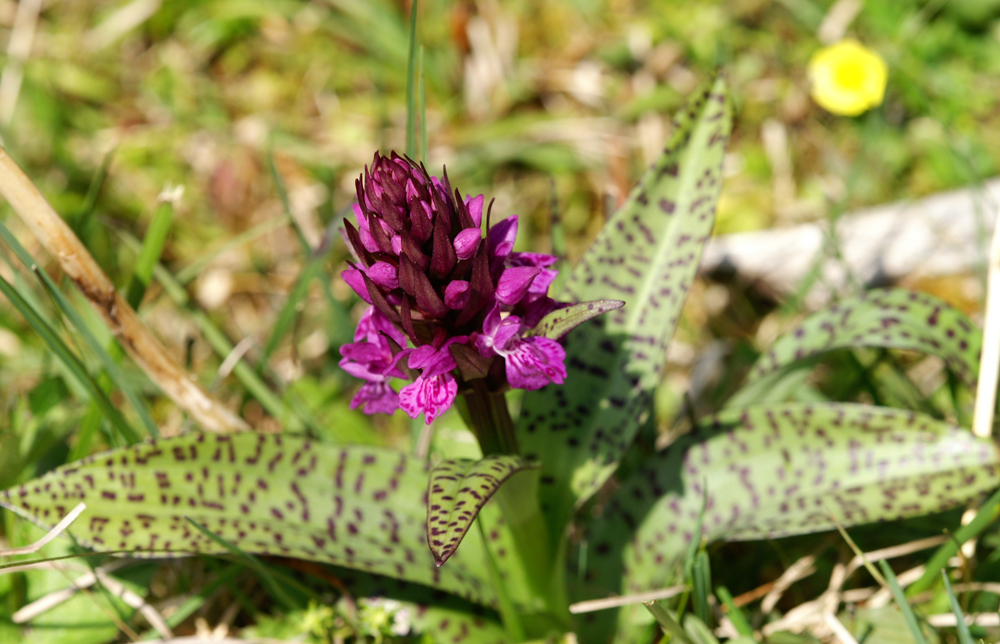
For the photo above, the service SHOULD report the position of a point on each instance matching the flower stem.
(490, 420)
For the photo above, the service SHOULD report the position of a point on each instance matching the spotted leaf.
(891, 318)
(353, 506)
(784, 470)
(647, 255)
(456, 491)
(561, 321)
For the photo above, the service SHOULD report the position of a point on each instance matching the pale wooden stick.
(798, 570)
(49, 536)
(137, 340)
(989, 360)
(617, 602)
(989, 620)
(839, 630)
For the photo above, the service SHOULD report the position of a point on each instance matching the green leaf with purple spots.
(784, 470)
(647, 254)
(353, 506)
(456, 492)
(890, 318)
(561, 321)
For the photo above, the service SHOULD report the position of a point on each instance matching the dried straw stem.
(137, 340)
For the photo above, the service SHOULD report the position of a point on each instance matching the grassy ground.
(551, 106)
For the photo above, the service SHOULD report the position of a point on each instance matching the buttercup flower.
(448, 306)
(847, 78)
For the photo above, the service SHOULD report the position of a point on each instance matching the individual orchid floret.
(433, 392)
(371, 358)
(531, 362)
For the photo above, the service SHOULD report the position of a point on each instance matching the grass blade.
(964, 636)
(736, 616)
(667, 621)
(986, 516)
(107, 361)
(70, 360)
(411, 81)
(911, 618)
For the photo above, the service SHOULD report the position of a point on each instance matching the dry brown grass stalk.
(137, 340)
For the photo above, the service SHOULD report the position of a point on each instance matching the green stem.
(490, 421)
(489, 418)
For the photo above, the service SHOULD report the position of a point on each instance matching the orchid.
(423, 267)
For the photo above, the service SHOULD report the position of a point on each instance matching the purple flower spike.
(448, 303)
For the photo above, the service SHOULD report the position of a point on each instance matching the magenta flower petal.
(497, 333)
(501, 237)
(384, 274)
(353, 278)
(467, 243)
(373, 324)
(377, 398)
(538, 260)
(514, 283)
(535, 362)
(475, 205)
(422, 357)
(431, 396)
(457, 294)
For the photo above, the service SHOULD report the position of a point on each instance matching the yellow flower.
(847, 78)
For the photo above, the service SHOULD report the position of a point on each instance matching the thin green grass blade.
(702, 586)
(292, 418)
(86, 212)
(107, 361)
(197, 267)
(908, 615)
(152, 248)
(357, 507)
(985, 517)
(735, 614)
(423, 108)
(70, 360)
(667, 621)
(699, 631)
(196, 601)
(964, 636)
(262, 571)
(647, 254)
(313, 269)
(411, 82)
